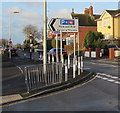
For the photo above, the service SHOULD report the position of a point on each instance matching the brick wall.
(83, 30)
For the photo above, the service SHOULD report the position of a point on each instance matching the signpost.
(64, 25)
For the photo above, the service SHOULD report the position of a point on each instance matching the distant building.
(86, 19)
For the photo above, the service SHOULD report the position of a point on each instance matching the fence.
(36, 79)
(55, 73)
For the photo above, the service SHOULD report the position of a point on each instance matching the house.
(86, 23)
(109, 24)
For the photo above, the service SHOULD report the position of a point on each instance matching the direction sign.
(64, 25)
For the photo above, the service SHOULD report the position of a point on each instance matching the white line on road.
(111, 76)
(110, 79)
(20, 69)
(105, 64)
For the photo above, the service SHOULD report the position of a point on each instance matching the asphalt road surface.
(100, 94)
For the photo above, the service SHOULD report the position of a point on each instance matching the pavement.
(19, 92)
(105, 59)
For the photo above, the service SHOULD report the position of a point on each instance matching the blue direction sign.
(67, 22)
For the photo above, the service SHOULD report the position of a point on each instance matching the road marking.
(87, 68)
(20, 69)
(109, 78)
(105, 64)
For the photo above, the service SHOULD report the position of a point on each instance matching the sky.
(32, 13)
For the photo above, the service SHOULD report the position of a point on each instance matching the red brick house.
(86, 23)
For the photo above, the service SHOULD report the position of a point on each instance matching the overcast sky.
(32, 13)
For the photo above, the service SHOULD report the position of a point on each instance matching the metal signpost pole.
(74, 64)
(78, 43)
(45, 37)
(61, 47)
(56, 47)
(74, 44)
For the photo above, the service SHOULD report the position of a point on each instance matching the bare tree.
(32, 32)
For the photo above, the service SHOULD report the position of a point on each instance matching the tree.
(18, 45)
(93, 40)
(4, 42)
(27, 43)
(32, 32)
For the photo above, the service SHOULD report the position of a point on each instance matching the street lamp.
(10, 38)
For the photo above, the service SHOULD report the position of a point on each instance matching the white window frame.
(107, 21)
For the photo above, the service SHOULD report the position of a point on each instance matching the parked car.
(53, 51)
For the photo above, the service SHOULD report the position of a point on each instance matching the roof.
(86, 20)
(114, 12)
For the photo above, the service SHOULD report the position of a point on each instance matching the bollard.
(52, 58)
(81, 63)
(66, 71)
(48, 58)
(78, 65)
(68, 61)
(56, 75)
(74, 68)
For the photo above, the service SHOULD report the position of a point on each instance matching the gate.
(36, 79)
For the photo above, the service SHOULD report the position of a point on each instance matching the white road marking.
(109, 78)
(20, 69)
(105, 64)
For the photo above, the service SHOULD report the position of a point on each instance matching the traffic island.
(49, 90)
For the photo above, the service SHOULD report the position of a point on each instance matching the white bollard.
(81, 63)
(78, 65)
(74, 68)
(66, 71)
(62, 61)
(48, 58)
(68, 61)
(52, 58)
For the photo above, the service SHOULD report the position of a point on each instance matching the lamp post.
(10, 37)
(45, 37)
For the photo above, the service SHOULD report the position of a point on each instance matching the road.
(13, 79)
(100, 94)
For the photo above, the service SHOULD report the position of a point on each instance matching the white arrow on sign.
(64, 25)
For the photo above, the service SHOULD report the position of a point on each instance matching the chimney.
(86, 11)
(91, 10)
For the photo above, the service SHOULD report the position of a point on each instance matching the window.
(100, 24)
(106, 21)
